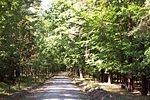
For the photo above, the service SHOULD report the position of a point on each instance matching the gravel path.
(59, 87)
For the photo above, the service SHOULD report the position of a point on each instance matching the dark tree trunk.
(124, 82)
(11, 76)
(144, 85)
(105, 77)
(117, 77)
(1, 78)
(102, 75)
(130, 83)
(17, 73)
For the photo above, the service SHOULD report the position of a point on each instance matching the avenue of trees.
(106, 39)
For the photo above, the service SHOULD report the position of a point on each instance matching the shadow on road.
(59, 87)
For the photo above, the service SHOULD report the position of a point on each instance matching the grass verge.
(26, 83)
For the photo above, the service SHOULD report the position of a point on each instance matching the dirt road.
(59, 87)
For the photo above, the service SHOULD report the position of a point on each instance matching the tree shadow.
(55, 93)
(59, 88)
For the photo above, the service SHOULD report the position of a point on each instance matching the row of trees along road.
(24, 51)
(106, 39)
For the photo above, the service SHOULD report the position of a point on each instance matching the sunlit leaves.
(101, 28)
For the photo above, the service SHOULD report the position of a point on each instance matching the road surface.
(59, 87)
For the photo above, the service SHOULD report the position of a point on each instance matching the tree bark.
(130, 83)
(75, 72)
(117, 77)
(130, 87)
(124, 82)
(144, 85)
(110, 77)
(1, 78)
(102, 75)
(80, 73)
(17, 73)
(11, 75)
(105, 77)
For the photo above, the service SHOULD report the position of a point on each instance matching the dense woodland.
(106, 39)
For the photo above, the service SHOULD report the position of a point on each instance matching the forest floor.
(59, 87)
(104, 91)
(17, 90)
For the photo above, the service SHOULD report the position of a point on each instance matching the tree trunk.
(130, 83)
(101, 75)
(117, 77)
(1, 78)
(110, 77)
(80, 73)
(105, 77)
(17, 73)
(144, 85)
(124, 82)
(75, 72)
(11, 75)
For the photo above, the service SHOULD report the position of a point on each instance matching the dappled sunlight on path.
(59, 87)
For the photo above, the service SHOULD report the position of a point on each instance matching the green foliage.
(103, 30)
(17, 41)
(112, 35)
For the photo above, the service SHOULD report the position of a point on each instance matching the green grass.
(26, 82)
(3, 88)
